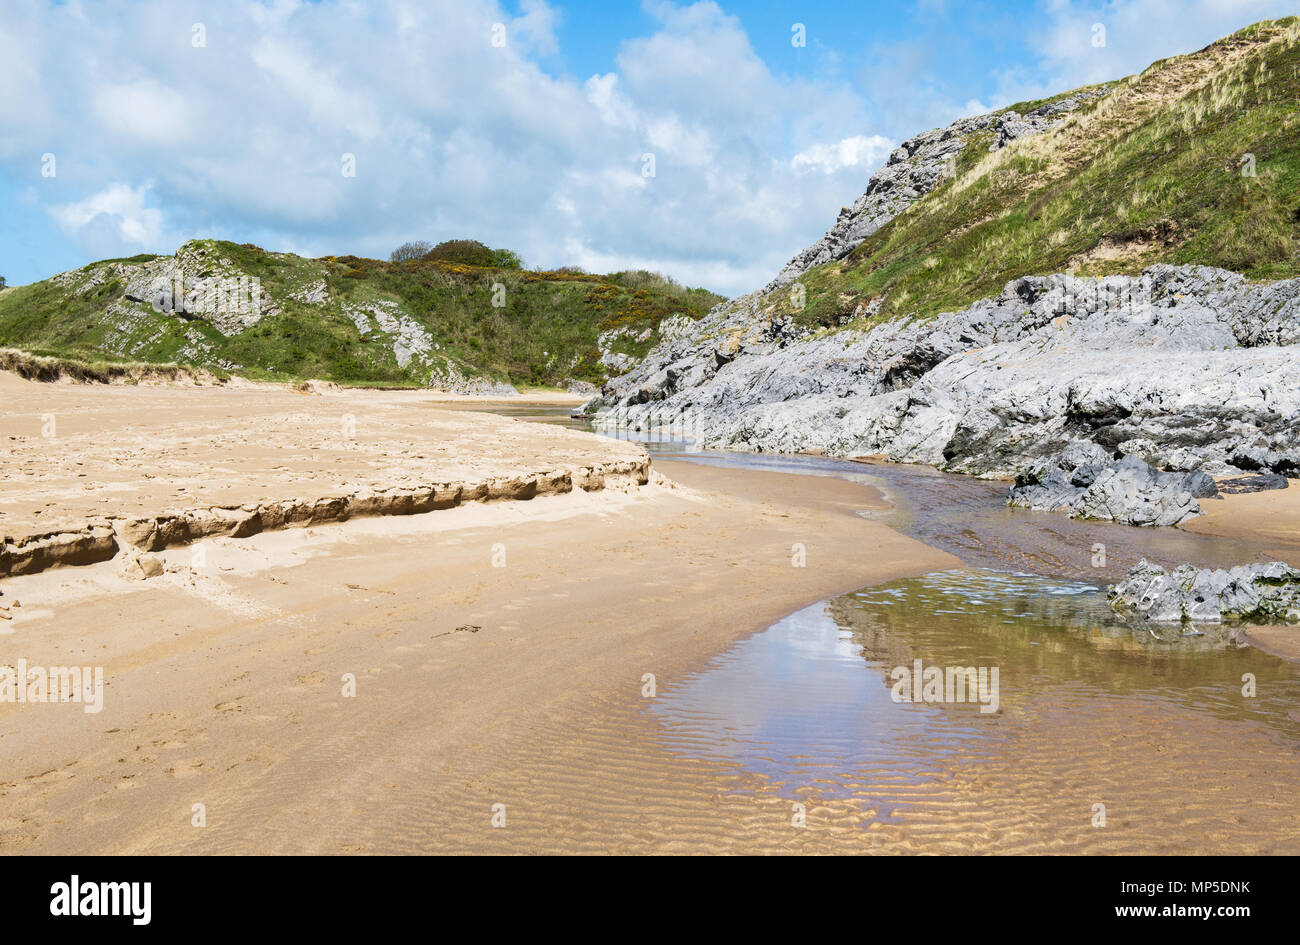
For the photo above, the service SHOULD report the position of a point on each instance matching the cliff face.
(1131, 345)
(1185, 367)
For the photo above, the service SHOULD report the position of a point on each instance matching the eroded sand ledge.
(91, 471)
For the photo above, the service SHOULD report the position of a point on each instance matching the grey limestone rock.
(1259, 592)
(1185, 368)
(1087, 482)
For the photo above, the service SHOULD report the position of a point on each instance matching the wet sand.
(1271, 519)
(225, 680)
(500, 653)
(1272, 516)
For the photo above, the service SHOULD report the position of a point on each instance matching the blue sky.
(523, 124)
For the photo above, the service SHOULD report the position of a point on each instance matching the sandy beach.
(464, 628)
(477, 676)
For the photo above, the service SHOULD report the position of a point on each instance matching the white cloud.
(323, 96)
(537, 26)
(116, 211)
(453, 136)
(610, 103)
(1135, 32)
(859, 151)
(143, 110)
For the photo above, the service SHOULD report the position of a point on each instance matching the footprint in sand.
(310, 680)
(184, 769)
(51, 776)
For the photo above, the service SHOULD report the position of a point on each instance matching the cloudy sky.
(698, 139)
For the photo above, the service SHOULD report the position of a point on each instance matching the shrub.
(507, 259)
(644, 279)
(416, 249)
(465, 252)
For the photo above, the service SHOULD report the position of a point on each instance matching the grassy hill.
(1195, 160)
(348, 319)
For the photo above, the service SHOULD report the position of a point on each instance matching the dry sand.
(465, 629)
(89, 468)
(500, 652)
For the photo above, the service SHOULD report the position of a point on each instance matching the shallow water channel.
(1053, 705)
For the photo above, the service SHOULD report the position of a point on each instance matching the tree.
(416, 249)
(507, 259)
(2, 282)
(465, 252)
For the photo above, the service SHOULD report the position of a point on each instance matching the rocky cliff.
(1133, 350)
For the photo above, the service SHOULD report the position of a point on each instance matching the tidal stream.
(1074, 708)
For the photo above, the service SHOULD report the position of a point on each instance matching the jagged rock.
(198, 284)
(1012, 126)
(140, 567)
(1087, 482)
(616, 362)
(1259, 592)
(914, 169)
(580, 388)
(411, 342)
(454, 381)
(675, 326)
(314, 294)
(1184, 367)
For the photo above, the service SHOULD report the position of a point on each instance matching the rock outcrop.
(102, 540)
(1260, 482)
(1256, 592)
(914, 169)
(1012, 126)
(1184, 367)
(1086, 481)
(199, 284)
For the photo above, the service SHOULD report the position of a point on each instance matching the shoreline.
(93, 473)
(498, 653)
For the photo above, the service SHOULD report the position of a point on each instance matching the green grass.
(544, 334)
(1169, 177)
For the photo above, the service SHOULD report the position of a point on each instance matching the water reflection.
(1154, 721)
(798, 704)
(809, 700)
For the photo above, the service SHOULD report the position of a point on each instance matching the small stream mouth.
(911, 698)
